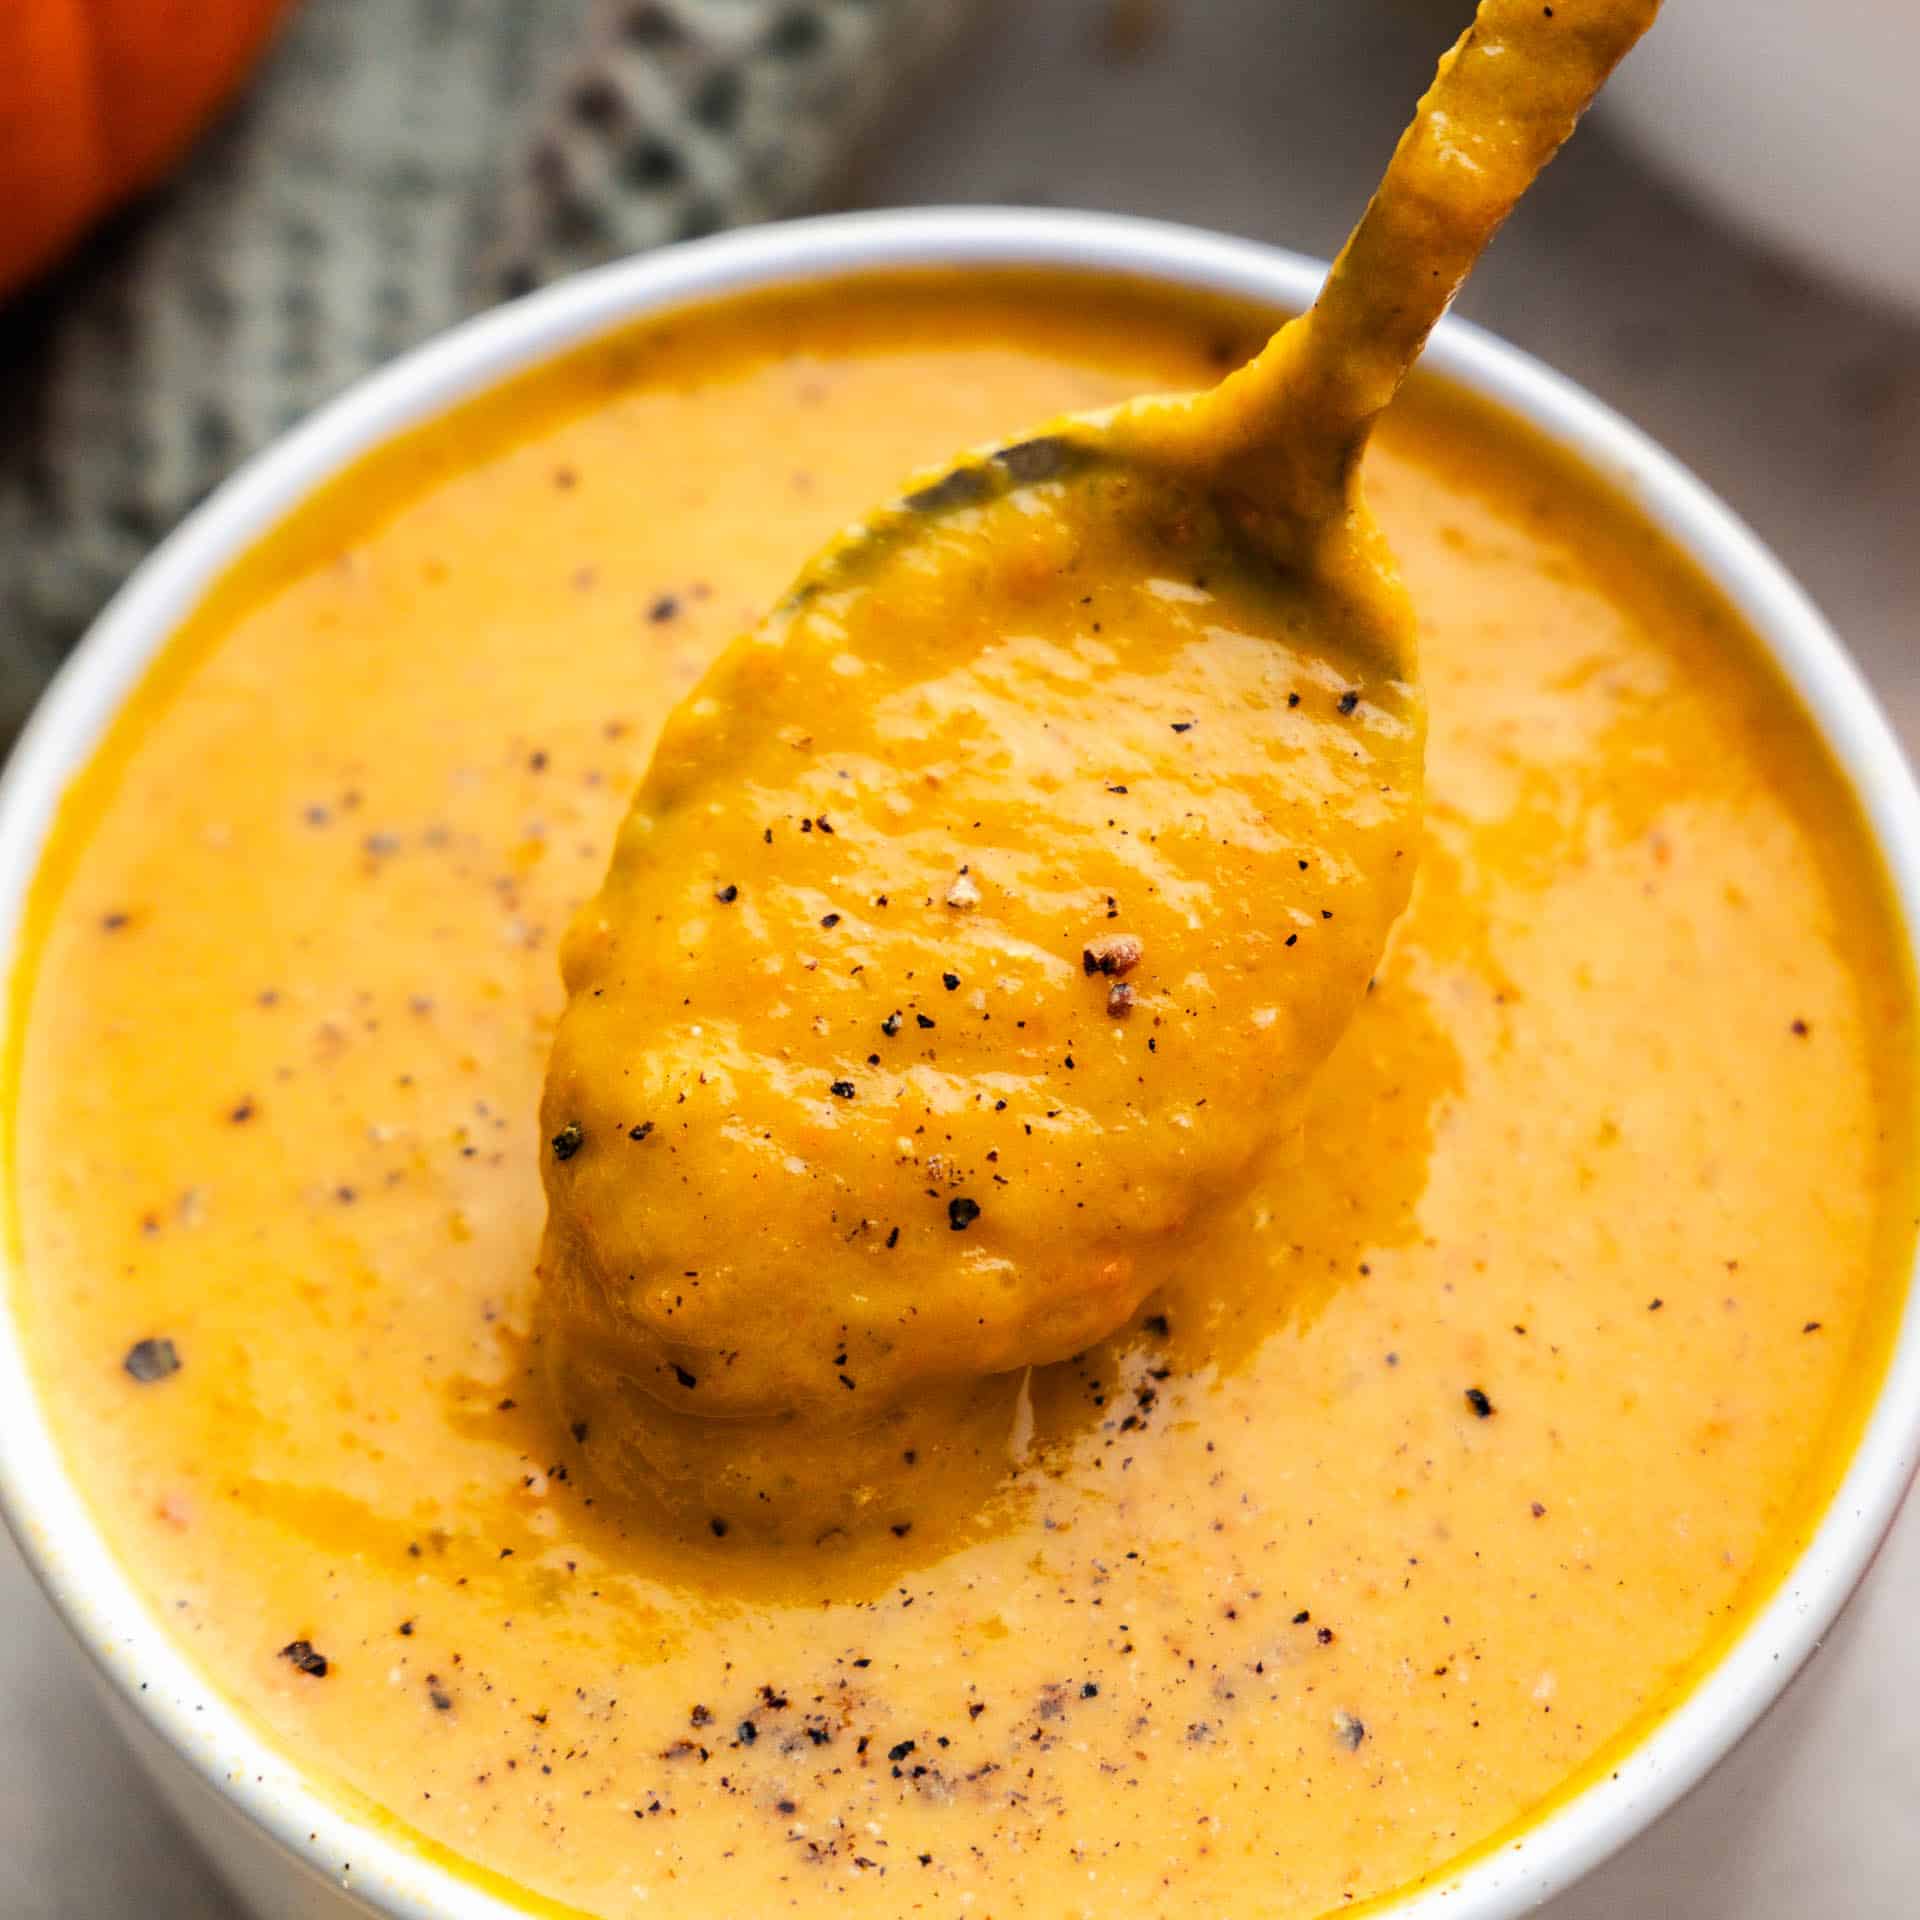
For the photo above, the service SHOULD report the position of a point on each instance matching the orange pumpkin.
(98, 98)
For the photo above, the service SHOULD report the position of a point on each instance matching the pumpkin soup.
(1445, 1460)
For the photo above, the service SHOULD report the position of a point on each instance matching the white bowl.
(1795, 122)
(293, 1848)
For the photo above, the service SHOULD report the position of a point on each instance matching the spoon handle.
(1506, 96)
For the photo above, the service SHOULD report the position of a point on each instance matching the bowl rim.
(317, 1823)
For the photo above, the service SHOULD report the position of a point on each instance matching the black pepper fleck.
(151, 1360)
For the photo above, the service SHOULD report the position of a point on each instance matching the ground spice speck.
(151, 1360)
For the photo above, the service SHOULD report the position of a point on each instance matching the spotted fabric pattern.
(396, 165)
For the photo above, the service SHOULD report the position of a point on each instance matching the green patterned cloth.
(396, 164)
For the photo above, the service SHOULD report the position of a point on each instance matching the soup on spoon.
(986, 912)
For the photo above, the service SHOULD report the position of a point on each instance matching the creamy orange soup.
(1450, 1458)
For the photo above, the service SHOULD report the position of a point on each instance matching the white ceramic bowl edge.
(1795, 122)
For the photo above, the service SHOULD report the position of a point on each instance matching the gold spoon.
(1278, 443)
(986, 912)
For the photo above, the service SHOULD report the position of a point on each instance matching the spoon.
(985, 913)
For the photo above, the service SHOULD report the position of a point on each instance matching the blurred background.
(216, 213)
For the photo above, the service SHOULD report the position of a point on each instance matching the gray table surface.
(1800, 406)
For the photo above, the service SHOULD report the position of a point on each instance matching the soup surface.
(1452, 1455)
